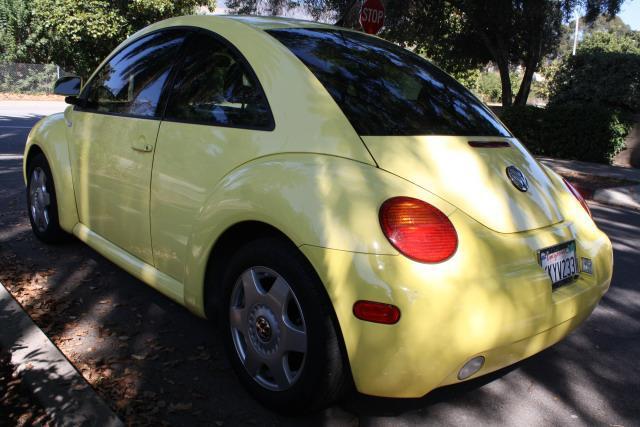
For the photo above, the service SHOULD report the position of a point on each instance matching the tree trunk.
(531, 63)
(499, 53)
(525, 85)
(505, 80)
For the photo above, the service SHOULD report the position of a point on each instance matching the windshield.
(386, 90)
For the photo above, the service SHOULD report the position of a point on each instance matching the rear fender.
(316, 200)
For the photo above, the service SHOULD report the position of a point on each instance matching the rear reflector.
(578, 196)
(418, 230)
(489, 144)
(376, 312)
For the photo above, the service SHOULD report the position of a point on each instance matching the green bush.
(468, 78)
(592, 98)
(606, 70)
(526, 123)
(488, 87)
(588, 132)
(608, 78)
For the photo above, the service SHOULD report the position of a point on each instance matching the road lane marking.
(16, 127)
(11, 157)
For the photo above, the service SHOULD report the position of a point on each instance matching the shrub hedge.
(588, 132)
(593, 97)
(608, 78)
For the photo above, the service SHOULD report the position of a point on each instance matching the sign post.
(372, 16)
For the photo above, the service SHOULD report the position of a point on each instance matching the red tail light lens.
(418, 230)
(577, 195)
(376, 312)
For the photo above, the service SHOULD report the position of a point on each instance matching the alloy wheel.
(268, 328)
(40, 199)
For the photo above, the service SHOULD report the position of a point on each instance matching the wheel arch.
(49, 138)
(232, 239)
(34, 150)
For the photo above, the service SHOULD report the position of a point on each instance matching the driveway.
(155, 363)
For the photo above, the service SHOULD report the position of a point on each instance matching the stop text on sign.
(372, 16)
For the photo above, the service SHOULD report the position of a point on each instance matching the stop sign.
(372, 16)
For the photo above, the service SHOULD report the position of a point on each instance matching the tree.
(78, 35)
(16, 32)
(459, 34)
(602, 24)
(605, 71)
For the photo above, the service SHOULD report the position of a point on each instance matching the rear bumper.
(490, 299)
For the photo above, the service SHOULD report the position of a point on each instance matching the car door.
(112, 140)
(217, 118)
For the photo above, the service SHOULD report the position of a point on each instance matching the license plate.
(560, 263)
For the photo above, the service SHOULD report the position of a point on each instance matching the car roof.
(272, 22)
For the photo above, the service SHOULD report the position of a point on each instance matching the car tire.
(42, 203)
(273, 306)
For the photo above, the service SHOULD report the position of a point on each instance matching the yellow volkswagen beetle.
(349, 212)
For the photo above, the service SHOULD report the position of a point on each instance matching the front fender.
(315, 200)
(50, 136)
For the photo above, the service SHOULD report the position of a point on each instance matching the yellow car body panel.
(314, 179)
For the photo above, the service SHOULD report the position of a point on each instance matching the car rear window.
(386, 90)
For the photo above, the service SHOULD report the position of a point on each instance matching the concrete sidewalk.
(54, 382)
(625, 196)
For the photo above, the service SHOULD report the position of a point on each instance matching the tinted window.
(215, 86)
(386, 90)
(132, 81)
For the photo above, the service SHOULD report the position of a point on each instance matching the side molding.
(145, 272)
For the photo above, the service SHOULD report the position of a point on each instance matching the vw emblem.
(517, 178)
(263, 328)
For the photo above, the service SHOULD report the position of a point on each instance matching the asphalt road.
(101, 317)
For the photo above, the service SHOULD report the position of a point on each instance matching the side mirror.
(72, 100)
(68, 86)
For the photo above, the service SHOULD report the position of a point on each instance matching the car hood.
(471, 174)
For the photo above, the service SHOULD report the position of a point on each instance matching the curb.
(53, 380)
(626, 197)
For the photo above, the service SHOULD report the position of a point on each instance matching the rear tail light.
(376, 312)
(577, 195)
(418, 230)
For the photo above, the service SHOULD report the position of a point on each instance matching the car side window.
(132, 81)
(215, 86)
